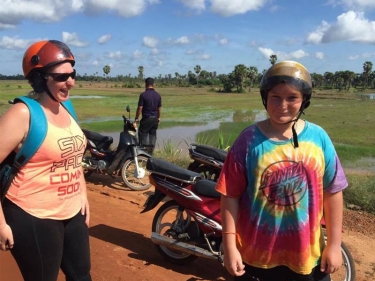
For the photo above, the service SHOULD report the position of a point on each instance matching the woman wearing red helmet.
(45, 215)
(278, 179)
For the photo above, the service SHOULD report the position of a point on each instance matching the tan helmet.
(44, 54)
(291, 73)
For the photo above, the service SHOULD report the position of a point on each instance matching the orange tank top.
(50, 183)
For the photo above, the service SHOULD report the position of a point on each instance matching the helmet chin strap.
(49, 92)
(295, 138)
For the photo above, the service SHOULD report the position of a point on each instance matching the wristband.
(238, 238)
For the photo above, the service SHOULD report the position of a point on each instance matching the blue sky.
(169, 36)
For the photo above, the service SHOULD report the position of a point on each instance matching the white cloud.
(319, 55)
(234, 7)
(368, 55)
(115, 55)
(13, 12)
(223, 41)
(204, 57)
(194, 4)
(350, 26)
(125, 8)
(95, 62)
(299, 54)
(14, 43)
(358, 4)
(71, 39)
(137, 54)
(266, 52)
(6, 26)
(191, 52)
(154, 52)
(183, 40)
(150, 42)
(104, 39)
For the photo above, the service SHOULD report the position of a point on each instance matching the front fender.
(129, 155)
(141, 152)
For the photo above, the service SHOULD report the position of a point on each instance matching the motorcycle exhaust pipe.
(161, 240)
(87, 166)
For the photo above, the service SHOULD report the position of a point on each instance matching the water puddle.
(370, 96)
(181, 136)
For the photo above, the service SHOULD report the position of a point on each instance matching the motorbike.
(208, 160)
(188, 224)
(128, 159)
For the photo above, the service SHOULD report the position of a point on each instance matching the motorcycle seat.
(102, 142)
(170, 170)
(216, 153)
(206, 188)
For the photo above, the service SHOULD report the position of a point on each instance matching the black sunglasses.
(62, 77)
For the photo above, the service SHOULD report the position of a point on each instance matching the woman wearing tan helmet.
(278, 179)
(45, 215)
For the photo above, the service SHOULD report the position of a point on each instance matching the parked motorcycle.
(128, 159)
(208, 160)
(189, 225)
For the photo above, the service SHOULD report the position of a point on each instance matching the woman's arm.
(14, 126)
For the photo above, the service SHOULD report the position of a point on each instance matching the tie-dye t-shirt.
(281, 196)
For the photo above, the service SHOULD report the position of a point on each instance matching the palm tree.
(140, 70)
(240, 74)
(328, 76)
(197, 70)
(367, 67)
(273, 59)
(106, 70)
(252, 74)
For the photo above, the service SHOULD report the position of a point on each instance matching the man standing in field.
(149, 105)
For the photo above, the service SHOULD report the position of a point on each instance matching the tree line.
(241, 79)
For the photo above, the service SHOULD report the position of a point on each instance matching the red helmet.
(44, 54)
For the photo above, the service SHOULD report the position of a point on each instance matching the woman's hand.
(233, 262)
(6, 237)
(85, 208)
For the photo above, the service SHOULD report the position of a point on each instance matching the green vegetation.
(348, 119)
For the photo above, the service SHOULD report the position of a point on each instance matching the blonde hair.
(34, 95)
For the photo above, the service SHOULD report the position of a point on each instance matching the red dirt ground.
(121, 248)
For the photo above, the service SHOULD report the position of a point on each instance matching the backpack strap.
(69, 107)
(37, 131)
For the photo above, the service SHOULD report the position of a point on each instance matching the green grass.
(348, 120)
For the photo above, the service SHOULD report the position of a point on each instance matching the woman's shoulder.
(17, 112)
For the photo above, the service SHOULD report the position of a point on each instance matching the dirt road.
(122, 250)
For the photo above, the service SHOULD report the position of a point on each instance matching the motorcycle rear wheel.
(127, 174)
(166, 222)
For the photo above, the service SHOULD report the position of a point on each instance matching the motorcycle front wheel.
(131, 180)
(171, 222)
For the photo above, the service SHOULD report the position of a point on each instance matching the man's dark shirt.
(150, 100)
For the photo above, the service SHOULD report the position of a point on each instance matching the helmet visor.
(297, 83)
